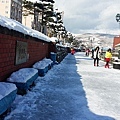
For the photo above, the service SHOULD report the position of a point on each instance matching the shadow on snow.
(64, 97)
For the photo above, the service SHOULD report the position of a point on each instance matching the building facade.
(116, 41)
(33, 21)
(11, 9)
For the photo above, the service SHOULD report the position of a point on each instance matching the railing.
(61, 52)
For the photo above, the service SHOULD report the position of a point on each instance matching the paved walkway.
(72, 90)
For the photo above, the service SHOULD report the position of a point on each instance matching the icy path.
(72, 90)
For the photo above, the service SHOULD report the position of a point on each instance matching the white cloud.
(89, 14)
(107, 17)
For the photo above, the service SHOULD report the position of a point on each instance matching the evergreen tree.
(50, 18)
(44, 7)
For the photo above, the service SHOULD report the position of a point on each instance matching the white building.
(33, 21)
(11, 9)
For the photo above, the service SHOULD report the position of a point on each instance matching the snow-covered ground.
(71, 90)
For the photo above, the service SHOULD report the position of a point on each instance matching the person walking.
(96, 56)
(108, 56)
(92, 53)
(72, 51)
(87, 52)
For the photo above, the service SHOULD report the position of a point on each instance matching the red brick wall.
(116, 41)
(37, 50)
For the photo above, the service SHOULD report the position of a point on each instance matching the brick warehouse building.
(116, 41)
(19, 51)
(21, 47)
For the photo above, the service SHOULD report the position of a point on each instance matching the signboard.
(21, 52)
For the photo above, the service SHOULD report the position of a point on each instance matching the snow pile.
(52, 53)
(42, 64)
(38, 1)
(6, 88)
(22, 75)
(54, 39)
(47, 61)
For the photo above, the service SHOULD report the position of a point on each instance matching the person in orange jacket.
(108, 56)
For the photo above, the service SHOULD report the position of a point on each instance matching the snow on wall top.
(54, 39)
(38, 1)
(15, 25)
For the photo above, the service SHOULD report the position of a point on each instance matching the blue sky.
(89, 15)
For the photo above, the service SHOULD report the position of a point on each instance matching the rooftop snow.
(54, 39)
(38, 1)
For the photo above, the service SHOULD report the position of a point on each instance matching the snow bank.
(6, 88)
(22, 75)
(47, 61)
(54, 39)
(42, 64)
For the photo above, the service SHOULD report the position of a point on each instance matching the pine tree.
(44, 7)
(49, 18)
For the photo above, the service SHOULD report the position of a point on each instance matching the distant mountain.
(108, 35)
(96, 39)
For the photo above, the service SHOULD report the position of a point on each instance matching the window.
(3, 1)
(7, 1)
(6, 12)
(6, 7)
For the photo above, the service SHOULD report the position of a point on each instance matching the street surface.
(72, 90)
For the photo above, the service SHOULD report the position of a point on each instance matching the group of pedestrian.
(96, 56)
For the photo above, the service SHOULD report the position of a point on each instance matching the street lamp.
(118, 19)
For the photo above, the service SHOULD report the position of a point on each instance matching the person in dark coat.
(92, 53)
(96, 56)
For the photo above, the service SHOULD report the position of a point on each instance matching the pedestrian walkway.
(72, 90)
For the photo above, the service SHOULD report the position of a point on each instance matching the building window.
(3, 1)
(7, 1)
(6, 12)
(6, 7)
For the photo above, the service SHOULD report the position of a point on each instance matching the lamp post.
(118, 19)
